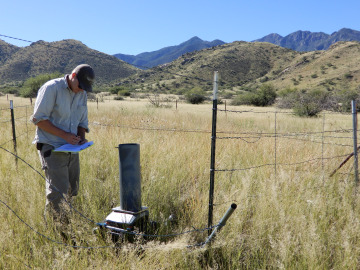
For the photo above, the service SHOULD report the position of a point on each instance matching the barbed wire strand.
(5, 121)
(228, 132)
(6, 142)
(151, 128)
(280, 164)
(257, 138)
(19, 106)
(282, 112)
(55, 188)
(132, 233)
(112, 232)
(266, 135)
(46, 237)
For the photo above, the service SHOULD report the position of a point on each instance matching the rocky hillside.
(17, 63)
(238, 63)
(241, 66)
(245, 65)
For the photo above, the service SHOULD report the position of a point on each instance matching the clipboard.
(73, 148)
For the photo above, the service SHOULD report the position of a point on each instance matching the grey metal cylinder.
(130, 177)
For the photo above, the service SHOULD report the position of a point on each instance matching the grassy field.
(289, 216)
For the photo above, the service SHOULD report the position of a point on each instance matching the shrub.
(305, 103)
(10, 90)
(122, 89)
(227, 95)
(264, 96)
(247, 98)
(342, 99)
(124, 93)
(195, 96)
(286, 98)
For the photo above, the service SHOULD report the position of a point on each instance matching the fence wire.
(107, 246)
(318, 137)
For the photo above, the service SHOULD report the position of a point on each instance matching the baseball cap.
(85, 75)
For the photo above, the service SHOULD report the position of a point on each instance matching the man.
(60, 114)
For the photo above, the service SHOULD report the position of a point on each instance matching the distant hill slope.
(17, 63)
(311, 41)
(238, 63)
(241, 66)
(247, 65)
(6, 51)
(167, 54)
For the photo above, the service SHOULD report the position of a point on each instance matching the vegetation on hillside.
(265, 95)
(245, 69)
(62, 57)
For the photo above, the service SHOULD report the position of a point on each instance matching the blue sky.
(136, 26)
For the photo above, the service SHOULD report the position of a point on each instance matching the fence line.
(13, 121)
(281, 164)
(283, 112)
(269, 135)
(248, 139)
(278, 136)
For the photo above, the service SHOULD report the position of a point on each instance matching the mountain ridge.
(311, 41)
(241, 64)
(167, 54)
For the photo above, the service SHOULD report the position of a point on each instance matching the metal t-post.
(213, 144)
(354, 114)
(13, 127)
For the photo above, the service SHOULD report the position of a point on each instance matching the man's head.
(85, 76)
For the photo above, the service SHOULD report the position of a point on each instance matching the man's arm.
(81, 134)
(47, 126)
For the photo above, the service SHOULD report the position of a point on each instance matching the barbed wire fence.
(276, 137)
(9, 118)
(8, 115)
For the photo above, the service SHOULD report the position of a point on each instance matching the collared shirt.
(62, 107)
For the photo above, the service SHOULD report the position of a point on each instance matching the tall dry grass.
(293, 216)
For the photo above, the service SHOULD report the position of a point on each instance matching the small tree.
(32, 85)
(266, 95)
(305, 103)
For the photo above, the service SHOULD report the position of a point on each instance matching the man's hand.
(83, 141)
(67, 136)
(72, 138)
(81, 134)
